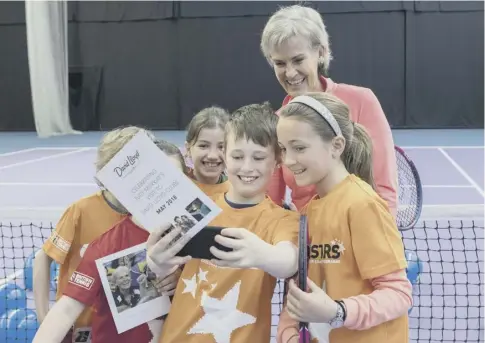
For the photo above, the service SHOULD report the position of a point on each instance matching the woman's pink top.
(366, 110)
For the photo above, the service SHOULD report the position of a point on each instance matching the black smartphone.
(199, 245)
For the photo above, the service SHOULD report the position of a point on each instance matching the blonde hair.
(208, 118)
(297, 21)
(113, 141)
(118, 271)
(256, 123)
(172, 150)
(357, 154)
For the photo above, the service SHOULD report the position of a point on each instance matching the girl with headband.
(356, 252)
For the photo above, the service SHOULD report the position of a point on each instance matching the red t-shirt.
(90, 292)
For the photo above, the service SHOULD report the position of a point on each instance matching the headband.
(318, 107)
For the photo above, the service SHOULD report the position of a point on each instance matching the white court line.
(446, 186)
(64, 148)
(42, 159)
(440, 147)
(452, 212)
(462, 172)
(16, 152)
(33, 208)
(48, 184)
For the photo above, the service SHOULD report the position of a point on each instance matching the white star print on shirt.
(202, 275)
(221, 317)
(190, 285)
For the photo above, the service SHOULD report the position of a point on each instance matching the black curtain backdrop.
(155, 64)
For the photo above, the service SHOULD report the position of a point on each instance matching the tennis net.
(448, 298)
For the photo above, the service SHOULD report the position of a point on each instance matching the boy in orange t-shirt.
(228, 299)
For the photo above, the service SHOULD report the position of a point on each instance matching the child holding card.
(205, 147)
(82, 222)
(228, 299)
(82, 288)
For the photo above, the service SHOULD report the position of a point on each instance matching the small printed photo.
(131, 288)
(198, 209)
(131, 282)
(183, 222)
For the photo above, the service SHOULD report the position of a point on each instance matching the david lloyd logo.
(129, 161)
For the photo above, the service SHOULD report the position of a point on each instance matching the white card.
(154, 190)
(128, 284)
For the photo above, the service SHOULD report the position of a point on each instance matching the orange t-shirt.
(354, 238)
(213, 304)
(82, 222)
(213, 189)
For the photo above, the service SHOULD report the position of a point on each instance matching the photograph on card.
(131, 288)
(184, 222)
(198, 210)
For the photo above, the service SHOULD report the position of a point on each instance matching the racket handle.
(304, 334)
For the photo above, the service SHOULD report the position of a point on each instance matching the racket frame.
(419, 191)
(303, 239)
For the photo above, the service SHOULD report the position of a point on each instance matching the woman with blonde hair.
(296, 44)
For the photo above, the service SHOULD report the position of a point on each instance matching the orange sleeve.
(59, 243)
(286, 229)
(376, 241)
(374, 120)
(277, 187)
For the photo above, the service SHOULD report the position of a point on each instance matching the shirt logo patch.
(60, 243)
(326, 253)
(82, 280)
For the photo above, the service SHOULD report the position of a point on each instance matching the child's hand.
(313, 307)
(162, 248)
(167, 285)
(248, 249)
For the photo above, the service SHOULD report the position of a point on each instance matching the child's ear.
(338, 146)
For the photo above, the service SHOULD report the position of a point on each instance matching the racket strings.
(407, 194)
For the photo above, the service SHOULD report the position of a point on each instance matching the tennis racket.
(410, 191)
(303, 270)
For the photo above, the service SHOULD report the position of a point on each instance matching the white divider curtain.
(47, 46)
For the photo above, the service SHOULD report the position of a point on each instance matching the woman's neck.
(332, 179)
(125, 292)
(318, 86)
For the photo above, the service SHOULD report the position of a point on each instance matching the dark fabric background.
(157, 63)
